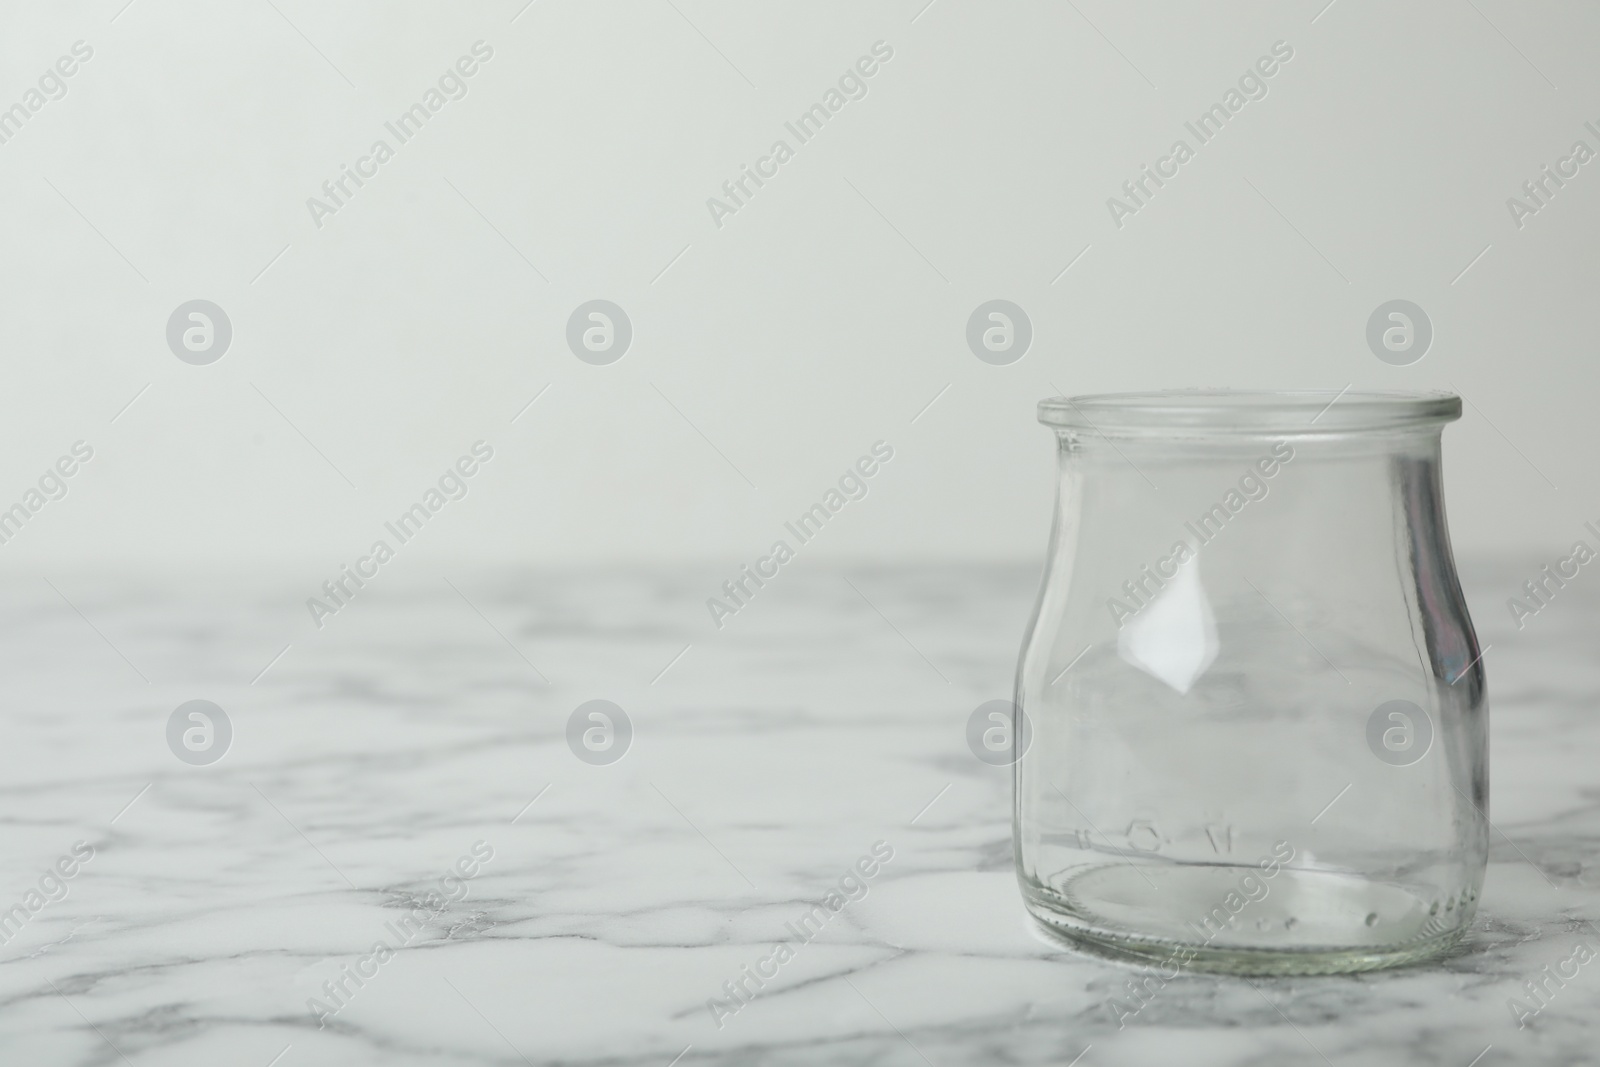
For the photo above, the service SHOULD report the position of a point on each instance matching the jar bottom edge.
(1181, 918)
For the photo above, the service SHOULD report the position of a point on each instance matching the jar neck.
(1091, 450)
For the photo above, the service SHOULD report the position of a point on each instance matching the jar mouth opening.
(1228, 412)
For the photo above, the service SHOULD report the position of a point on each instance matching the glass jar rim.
(1227, 412)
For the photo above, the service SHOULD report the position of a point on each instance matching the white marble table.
(415, 727)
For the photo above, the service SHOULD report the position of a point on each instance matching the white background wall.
(824, 316)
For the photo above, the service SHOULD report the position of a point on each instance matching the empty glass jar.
(1255, 703)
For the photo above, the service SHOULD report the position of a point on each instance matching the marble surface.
(425, 726)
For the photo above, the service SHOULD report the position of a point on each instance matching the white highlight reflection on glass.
(1175, 637)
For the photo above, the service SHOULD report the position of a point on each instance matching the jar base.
(1228, 919)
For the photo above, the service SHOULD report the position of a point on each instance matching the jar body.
(1256, 705)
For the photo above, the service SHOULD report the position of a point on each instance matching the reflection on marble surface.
(422, 734)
